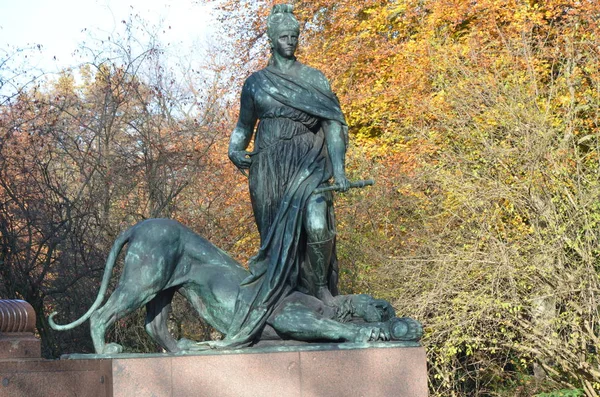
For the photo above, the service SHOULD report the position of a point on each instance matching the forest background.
(479, 121)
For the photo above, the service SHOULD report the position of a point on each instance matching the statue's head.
(281, 20)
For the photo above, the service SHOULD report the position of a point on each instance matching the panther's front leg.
(302, 321)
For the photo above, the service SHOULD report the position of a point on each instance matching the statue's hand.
(241, 159)
(342, 183)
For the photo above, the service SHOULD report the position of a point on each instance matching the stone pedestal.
(327, 371)
(377, 369)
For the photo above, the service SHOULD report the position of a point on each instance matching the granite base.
(399, 372)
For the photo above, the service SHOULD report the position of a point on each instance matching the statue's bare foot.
(405, 329)
(372, 334)
(112, 348)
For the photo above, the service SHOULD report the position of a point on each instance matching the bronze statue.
(164, 257)
(300, 144)
(290, 292)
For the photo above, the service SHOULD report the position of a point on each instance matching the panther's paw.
(112, 348)
(371, 334)
(184, 344)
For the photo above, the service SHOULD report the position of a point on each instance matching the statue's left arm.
(336, 139)
(336, 146)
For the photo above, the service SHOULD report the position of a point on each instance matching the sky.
(59, 26)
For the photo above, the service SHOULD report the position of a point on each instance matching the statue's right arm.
(242, 134)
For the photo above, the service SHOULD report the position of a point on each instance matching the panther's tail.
(110, 264)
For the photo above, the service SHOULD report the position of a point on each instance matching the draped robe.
(289, 162)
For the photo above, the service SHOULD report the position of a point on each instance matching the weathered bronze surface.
(300, 137)
(164, 257)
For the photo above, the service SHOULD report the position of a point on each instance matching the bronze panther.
(164, 257)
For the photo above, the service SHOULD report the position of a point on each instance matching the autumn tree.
(114, 140)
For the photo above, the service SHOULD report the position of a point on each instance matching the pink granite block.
(142, 377)
(238, 375)
(398, 372)
(46, 378)
(384, 372)
(52, 384)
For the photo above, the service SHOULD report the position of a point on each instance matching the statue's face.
(286, 43)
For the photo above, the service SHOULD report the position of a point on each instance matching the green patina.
(290, 293)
